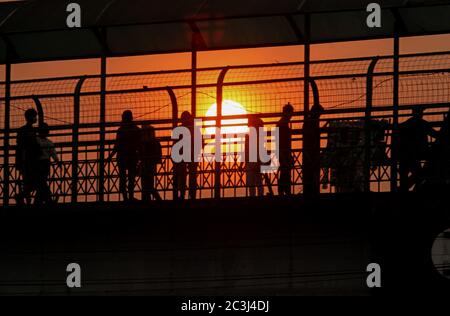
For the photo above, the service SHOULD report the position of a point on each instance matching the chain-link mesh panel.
(259, 90)
(43, 87)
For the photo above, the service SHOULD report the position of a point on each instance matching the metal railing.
(359, 91)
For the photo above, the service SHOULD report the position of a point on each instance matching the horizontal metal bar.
(227, 84)
(188, 70)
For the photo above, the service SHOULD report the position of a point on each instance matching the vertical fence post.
(194, 82)
(307, 67)
(101, 168)
(367, 123)
(218, 136)
(311, 149)
(307, 74)
(6, 143)
(197, 43)
(394, 143)
(174, 101)
(75, 138)
(39, 108)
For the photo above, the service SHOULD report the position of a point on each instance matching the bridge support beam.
(101, 168)
(395, 112)
(6, 144)
(307, 60)
(194, 82)
(367, 121)
(311, 148)
(75, 138)
(174, 102)
(218, 135)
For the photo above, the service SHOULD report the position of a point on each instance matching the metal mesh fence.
(260, 90)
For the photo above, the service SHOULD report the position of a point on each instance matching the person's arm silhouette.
(114, 151)
(111, 155)
(431, 131)
(54, 155)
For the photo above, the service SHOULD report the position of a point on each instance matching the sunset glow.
(229, 108)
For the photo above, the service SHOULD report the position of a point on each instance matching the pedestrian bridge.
(355, 93)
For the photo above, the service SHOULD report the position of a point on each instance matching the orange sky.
(232, 57)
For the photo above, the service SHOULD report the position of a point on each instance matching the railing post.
(39, 109)
(307, 67)
(307, 73)
(367, 123)
(75, 138)
(194, 82)
(6, 143)
(218, 135)
(197, 43)
(174, 102)
(101, 168)
(394, 143)
(311, 148)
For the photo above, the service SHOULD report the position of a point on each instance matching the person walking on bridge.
(127, 146)
(413, 147)
(27, 153)
(285, 151)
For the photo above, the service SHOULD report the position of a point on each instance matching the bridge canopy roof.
(37, 31)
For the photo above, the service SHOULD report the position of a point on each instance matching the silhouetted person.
(150, 157)
(48, 152)
(182, 169)
(285, 151)
(27, 152)
(127, 145)
(253, 168)
(413, 147)
(311, 151)
(436, 171)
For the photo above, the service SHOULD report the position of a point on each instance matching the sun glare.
(231, 126)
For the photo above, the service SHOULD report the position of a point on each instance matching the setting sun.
(229, 108)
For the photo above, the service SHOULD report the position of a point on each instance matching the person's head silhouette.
(127, 116)
(288, 111)
(186, 118)
(149, 132)
(31, 116)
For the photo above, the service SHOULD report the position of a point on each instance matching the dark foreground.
(267, 246)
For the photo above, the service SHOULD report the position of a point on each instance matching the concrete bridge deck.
(267, 246)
